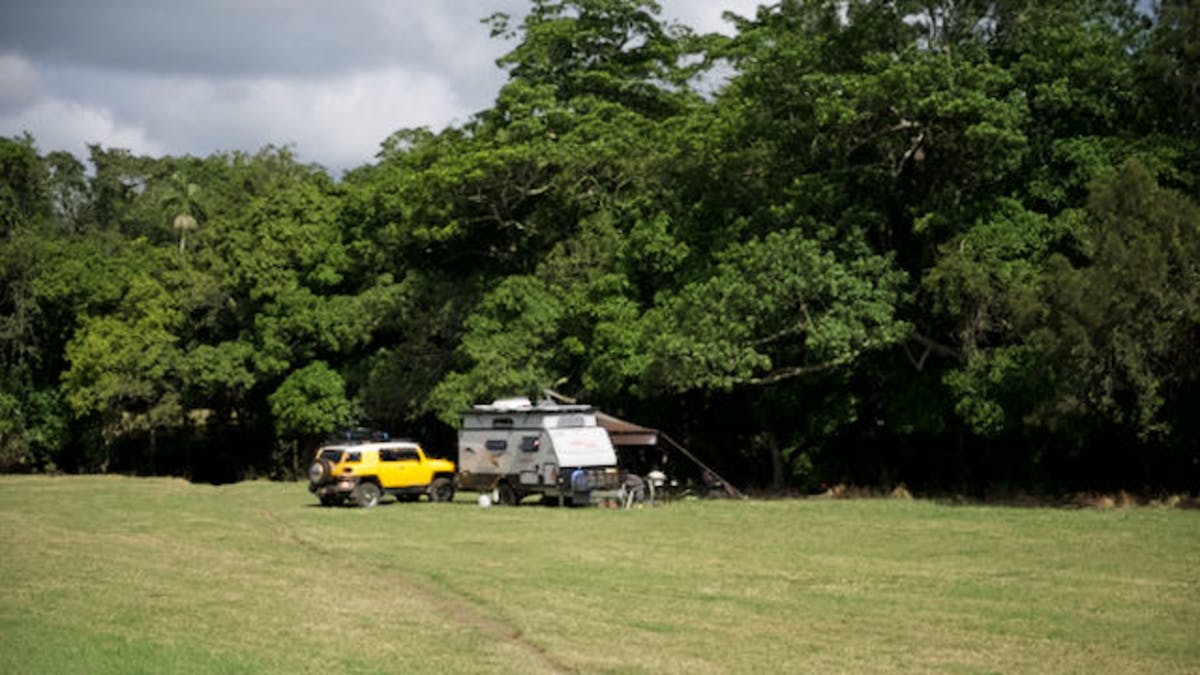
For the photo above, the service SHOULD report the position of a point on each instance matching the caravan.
(517, 448)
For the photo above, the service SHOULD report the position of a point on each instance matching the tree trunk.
(776, 461)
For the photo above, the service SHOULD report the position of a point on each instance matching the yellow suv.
(365, 472)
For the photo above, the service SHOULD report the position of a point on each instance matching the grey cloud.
(19, 86)
(226, 37)
(332, 77)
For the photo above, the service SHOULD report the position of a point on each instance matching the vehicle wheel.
(366, 495)
(441, 490)
(508, 496)
(331, 500)
(320, 471)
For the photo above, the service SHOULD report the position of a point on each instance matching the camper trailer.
(517, 448)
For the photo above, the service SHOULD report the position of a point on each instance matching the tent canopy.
(626, 433)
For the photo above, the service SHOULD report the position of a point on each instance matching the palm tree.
(181, 200)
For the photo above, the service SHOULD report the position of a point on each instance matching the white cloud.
(336, 121)
(705, 16)
(67, 125)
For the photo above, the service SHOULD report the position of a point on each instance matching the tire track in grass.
(456, 608)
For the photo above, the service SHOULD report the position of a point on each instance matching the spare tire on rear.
(320, 471)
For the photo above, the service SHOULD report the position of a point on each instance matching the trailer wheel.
(508, 496)
(441, 490)
(366, 494)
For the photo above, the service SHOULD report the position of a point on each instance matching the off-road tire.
(366, 494)
(441, 490)
(331, 500)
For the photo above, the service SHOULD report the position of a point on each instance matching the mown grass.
(109, 574)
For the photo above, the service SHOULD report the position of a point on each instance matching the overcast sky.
(331, 78)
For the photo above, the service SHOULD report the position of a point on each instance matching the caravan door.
(529, 452)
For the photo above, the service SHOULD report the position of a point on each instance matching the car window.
(331, 455)
(398, 455)
(353, 456)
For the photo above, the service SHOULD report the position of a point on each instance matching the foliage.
(125, 366)
(310, 401)
(1122, 328)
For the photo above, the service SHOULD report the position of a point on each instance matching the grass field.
(110, 574)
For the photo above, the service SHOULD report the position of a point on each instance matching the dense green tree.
(1121, 326)
(125, 367)
(946, 243)
(23, 190)
(308, 405)
(775, 309)
(616, 50)
(70, 191)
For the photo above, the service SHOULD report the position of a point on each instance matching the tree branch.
(794, 372)
(919, 364)
(936, 347)
(794, 329)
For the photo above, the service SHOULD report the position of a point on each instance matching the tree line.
(954, 244)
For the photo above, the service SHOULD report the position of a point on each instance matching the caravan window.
(529, 444)
(502, 423)
(497, 445)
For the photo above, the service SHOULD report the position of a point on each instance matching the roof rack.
(360, 435)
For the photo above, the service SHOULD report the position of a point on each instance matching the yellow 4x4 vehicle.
(366, 471)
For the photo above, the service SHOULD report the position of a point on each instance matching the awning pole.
(728, 486)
